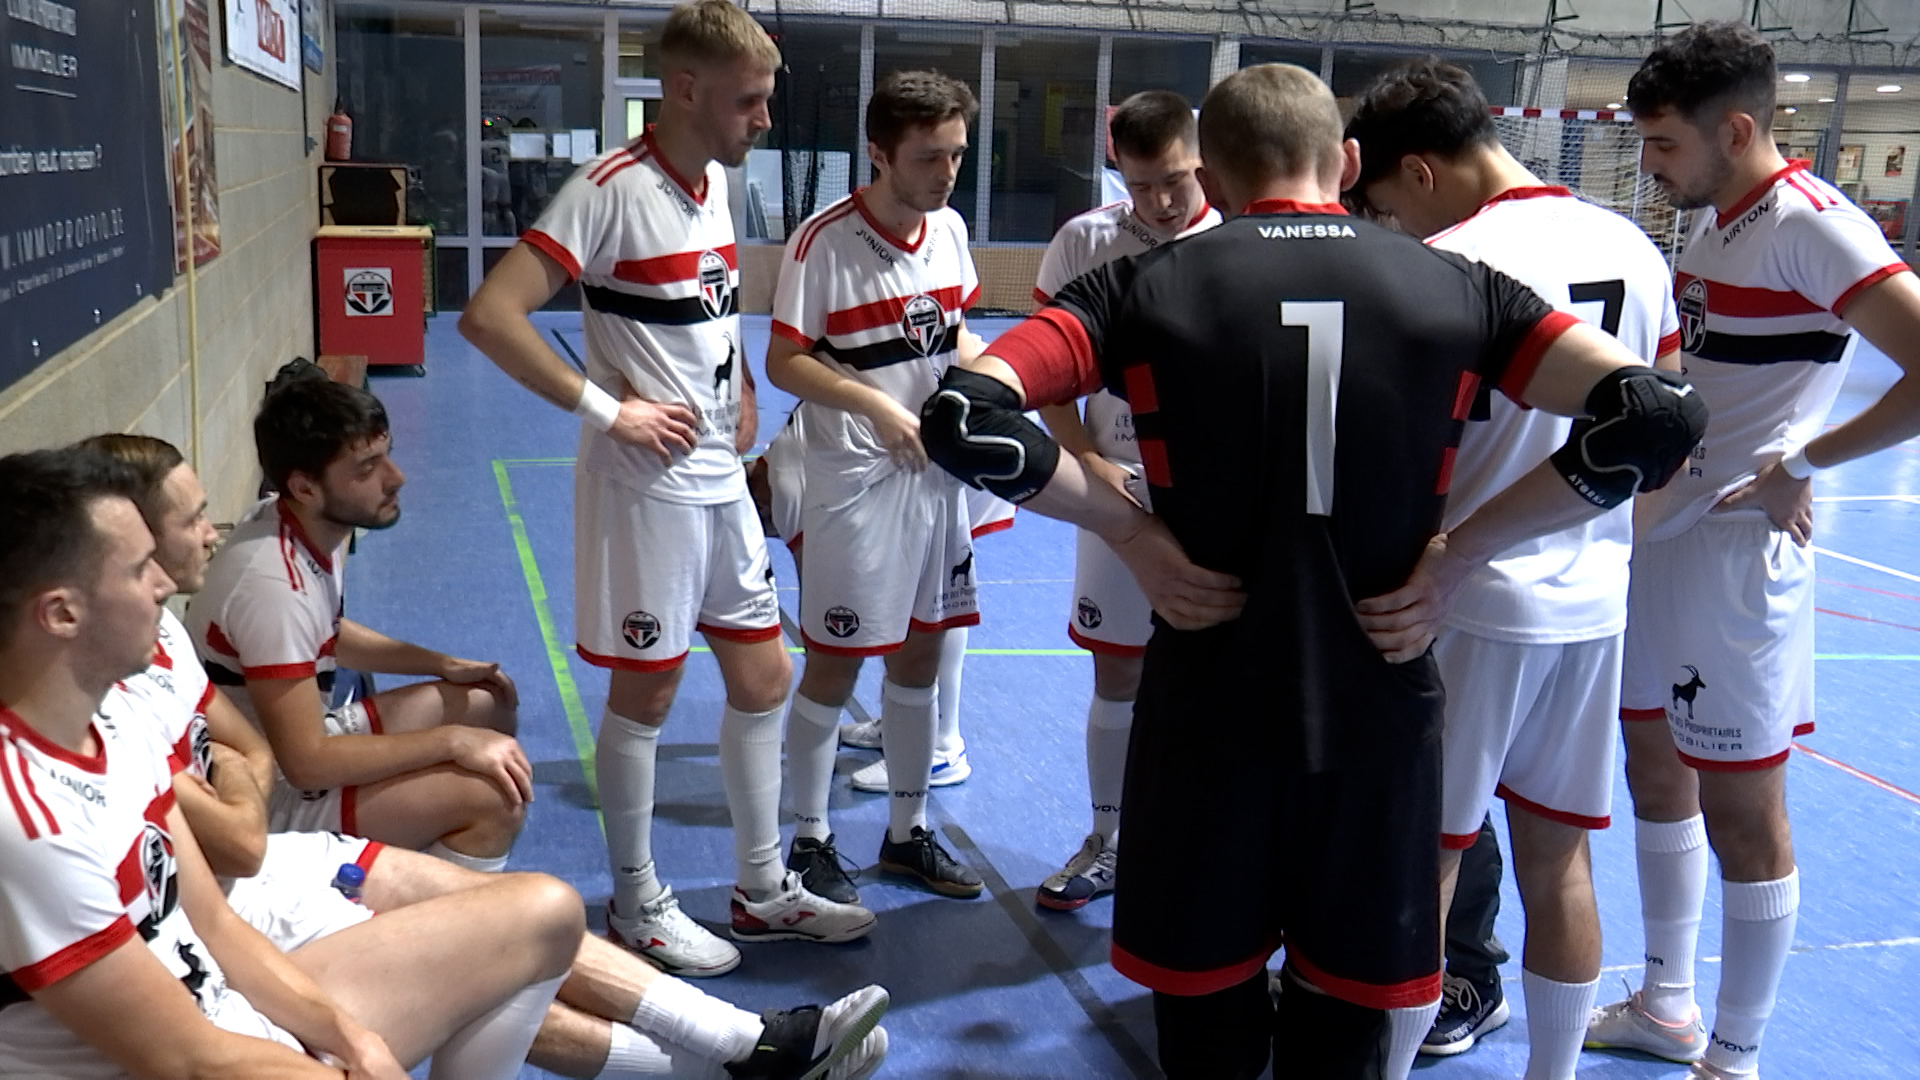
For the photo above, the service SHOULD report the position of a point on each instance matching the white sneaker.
(797, 915)
(665, 937)
(1703, 1071)
(843, 1041)
(1627, 1025)
(947, 771)
(861, 736)
(1088, 874)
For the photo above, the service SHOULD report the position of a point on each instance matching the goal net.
(1596, 154)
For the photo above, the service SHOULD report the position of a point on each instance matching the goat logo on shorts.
(715, 291)
(962, 572)
(842, 622)
(1688, 690)
(924, 322)
(1693, 315)
(640, 629)
(1087, 613)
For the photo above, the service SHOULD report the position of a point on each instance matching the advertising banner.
(263, 36)
(84, 224)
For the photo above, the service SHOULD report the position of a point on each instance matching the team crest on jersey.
(156, 869)
(1693, 315)
(640, 629)
(202, 746)
(924, 322)
(1087, 613)
(842, 622)
(715, 290)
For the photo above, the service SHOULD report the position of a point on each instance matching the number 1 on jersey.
(1325, 322)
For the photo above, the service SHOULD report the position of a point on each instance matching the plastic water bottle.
(350, 879)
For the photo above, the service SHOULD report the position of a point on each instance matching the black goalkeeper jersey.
(1298, 382)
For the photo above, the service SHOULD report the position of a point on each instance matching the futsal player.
(432, 765)
(666, 541)
(1530, 655)
(868, 312)
(616, 1015)
(120, 954)
(1779, 271)
(1298, 379)
(1158, 150)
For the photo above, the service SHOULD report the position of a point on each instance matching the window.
(816, 126)
(1160, 64)
(1298, 54)
(1043, 127)
(537, 81)
(950, 52)
(401, 78)
(1879, 132)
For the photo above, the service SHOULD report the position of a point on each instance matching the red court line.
(1871, 589)
(1857, 774)
(1863, 618)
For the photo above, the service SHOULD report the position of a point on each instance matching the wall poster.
(187, 39)
(83, 175)
(263, 36)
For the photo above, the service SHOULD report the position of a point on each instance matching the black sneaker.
(843, 1041)
(1468, 1010)
(922, 857)
(822, 869)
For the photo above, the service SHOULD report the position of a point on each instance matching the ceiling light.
(1791, 110)
(1890, 88)
(1614, 105)
(1796, 77)
(1824, 100)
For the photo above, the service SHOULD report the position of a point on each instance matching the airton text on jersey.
(1753, 215)
(875, 245)
(1305, 232)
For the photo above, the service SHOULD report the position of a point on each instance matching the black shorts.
(1230, 853)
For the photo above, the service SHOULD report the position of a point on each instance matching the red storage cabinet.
(369, 284)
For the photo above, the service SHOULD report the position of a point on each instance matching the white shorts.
(986, 512)
(787, 482)
(1111, 615)
(1720, 643)
(648, 573)
(333, 810)
(898, 556)
(292, 899)
(1533, 724)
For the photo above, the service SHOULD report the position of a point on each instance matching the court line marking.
(556, 650)
(1858, 774)
(1799, 950)
(1869, 565)
(1865, 619)
(1915, 500)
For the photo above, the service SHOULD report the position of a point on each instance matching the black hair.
(1150, 121)
(47, 534)
(1704, 70)
(905, 100)
(307, 421)
(1425, 106)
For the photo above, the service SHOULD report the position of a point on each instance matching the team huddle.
(1404, 481)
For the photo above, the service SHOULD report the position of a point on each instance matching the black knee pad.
(1219, 1036)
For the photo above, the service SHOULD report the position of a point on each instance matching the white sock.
(494, 1046)
(813, 739)
(1408, 1029)
(631, 1055)
(685, 1016)
(483, 863)
(1556, 1024)
(750, 769)
(906, 732)
(1673, 887)
(1754, 941)
(953, 653)
(1109, 727)
(623, 766)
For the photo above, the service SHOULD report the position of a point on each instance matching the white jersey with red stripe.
(1593, 264)
(86, 865)
(1092, 239)
(271, 606)
(878, 309)
(659, 276)
(177, 670)
(1762, 290)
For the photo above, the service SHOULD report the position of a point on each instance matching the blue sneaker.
(1467, 1011)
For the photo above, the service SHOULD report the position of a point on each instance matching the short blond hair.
(1271, 121)
(710, 32)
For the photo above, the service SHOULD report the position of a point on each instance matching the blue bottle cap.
(351, 874)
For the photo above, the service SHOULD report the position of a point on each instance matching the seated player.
(869, 309)
(432, 765)
(1158, 151)
(615, 1012)
(1531, 651)
(120, 955)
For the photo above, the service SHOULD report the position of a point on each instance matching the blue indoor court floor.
(481, 566)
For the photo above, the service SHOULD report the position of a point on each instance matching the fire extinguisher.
(339, 132)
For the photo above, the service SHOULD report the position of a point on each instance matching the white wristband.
(1797, 466)
(597, 407)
